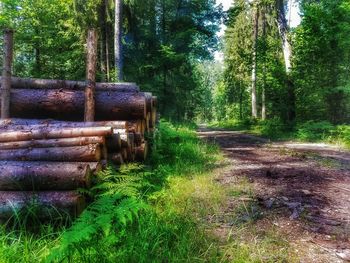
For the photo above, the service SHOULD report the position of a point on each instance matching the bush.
(273, 128)
(313, 131)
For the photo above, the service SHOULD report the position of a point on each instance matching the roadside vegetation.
(275, 129)
(158, 212)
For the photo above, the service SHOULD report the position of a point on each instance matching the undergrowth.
(311, 131)
(141, 213)
(157, 212)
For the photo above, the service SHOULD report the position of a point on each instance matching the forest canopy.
(270, 71)
(163, 42)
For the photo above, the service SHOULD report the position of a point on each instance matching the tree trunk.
(46, 143)
(50, 204)
(263, 91)
(102, 40)
(283, 30)
(29, 83)
(87, 153)
(89, 114)
(254, 66)
(21, 176)
(118, 45)
(69, 105)
(107, 57)
(6, 74)
(287, 53)
(54, 133)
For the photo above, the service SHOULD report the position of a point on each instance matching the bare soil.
(303, 190)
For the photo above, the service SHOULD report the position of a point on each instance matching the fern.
(117, 204)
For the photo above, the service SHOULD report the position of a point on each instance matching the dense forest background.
(168, 48)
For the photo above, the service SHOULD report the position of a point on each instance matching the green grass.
(150, 218)
(311, 131)
(154, 213)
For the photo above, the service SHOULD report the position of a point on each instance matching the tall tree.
(6, 74)
(254, 59)
(118, 45)
(91, 58)
(263, 90)
(284, 29)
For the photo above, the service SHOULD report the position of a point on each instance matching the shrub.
(273, 128)
(312, 131)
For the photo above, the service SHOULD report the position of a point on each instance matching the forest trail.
(300, 190)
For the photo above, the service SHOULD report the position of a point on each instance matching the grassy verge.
(141, 214)
(311, 131)
(160, 212)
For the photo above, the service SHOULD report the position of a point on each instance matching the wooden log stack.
(47, 151)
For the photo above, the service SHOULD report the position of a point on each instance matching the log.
(69, 105)
(124, 153)
(47, 133)
(64, 142)
(127, 140)
(97, 167)
(29, 83)
(153, 119)
(116, 158)
(19, 176)
(149, 101)
(114, 142)
(50, 204)
(141, 152)
(148, 120)
(35, 123)
(135, 126)
(154, 101)
(87, 153)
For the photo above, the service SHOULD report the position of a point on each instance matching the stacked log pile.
(47, 151)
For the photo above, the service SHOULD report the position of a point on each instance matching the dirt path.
(302, 189)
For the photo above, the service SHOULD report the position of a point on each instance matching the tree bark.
(118, 45)
(21, 176)
(51, 204)
(45, 143)
(87, 153)
(6, 74)
(254, 66)
(287, 53)
(263, 91)
(47, 133)
(69, 105)
(89, 114)
(30, 83)
(283, 30)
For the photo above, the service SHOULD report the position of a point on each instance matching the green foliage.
(165, 41)
(102, 224)
(273, 128)
(179, 151)
(321, 55)
(314, 130)
(324, 131)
